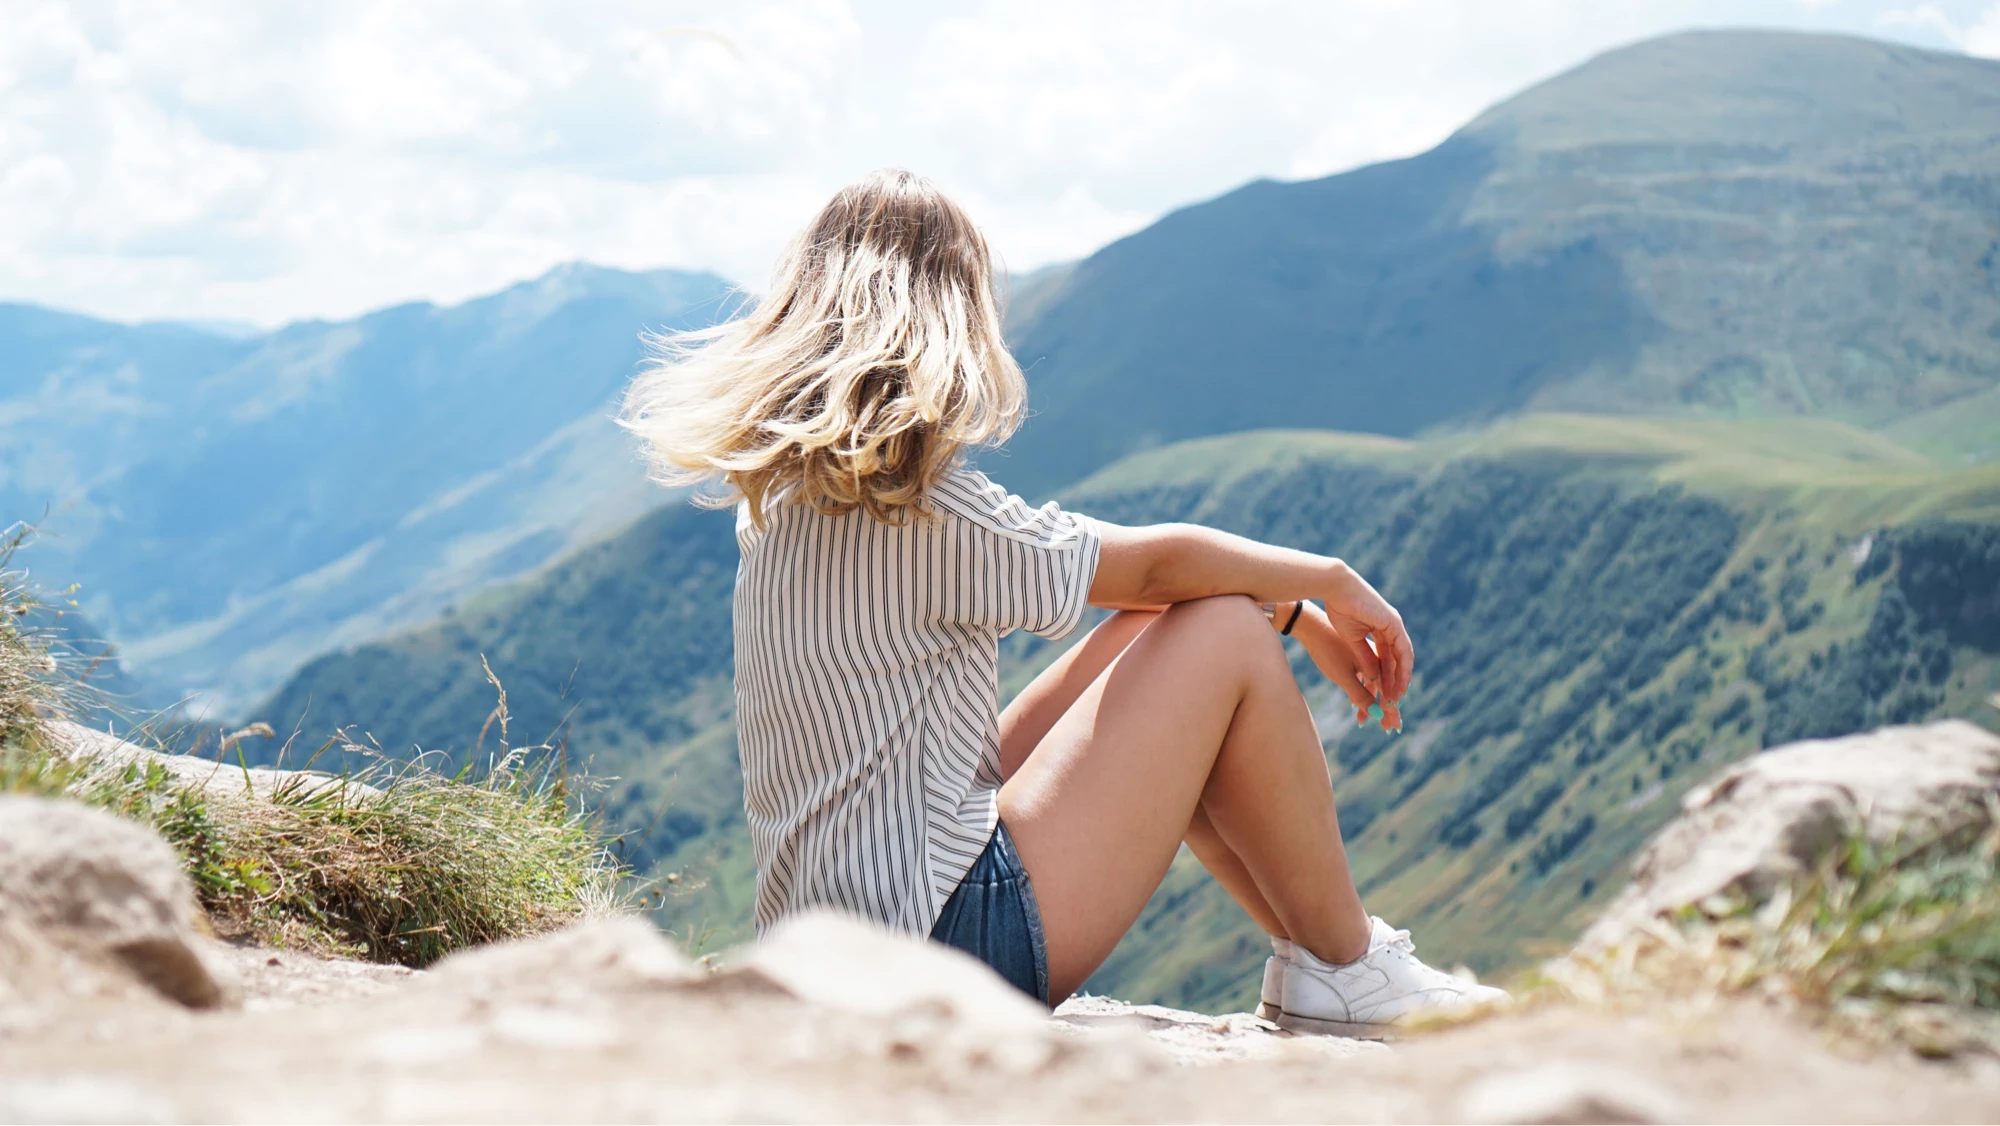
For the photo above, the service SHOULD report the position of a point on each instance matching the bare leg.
(1038, 706)
(1199, 710)
(1230, 871)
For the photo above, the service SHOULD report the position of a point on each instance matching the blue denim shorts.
(993, 917)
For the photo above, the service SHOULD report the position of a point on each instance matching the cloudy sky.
(261, 162)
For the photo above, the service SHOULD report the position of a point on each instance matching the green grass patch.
(398, 863)
(393, 862)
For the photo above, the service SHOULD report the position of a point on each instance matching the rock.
(837, 960)
(613, 954)
(1198, 1038)
(81, 1098)
(279, 979)
(1564, 1093)
(928, 1005)
(1769, 818)
(84, 894)
(81, 744)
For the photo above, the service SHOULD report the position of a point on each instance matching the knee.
(1230, 624)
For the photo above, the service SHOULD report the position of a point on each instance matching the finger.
(1397, 661)
(1367, 665)
(1392, 716)
(1406, 659)
(1358, 694)
(1337, 665)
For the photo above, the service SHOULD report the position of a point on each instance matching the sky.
(248, 162)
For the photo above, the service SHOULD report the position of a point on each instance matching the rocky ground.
(102, 1020)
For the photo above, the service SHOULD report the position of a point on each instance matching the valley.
(230, 505)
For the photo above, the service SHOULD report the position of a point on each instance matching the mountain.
(1716, 224)
(1605, 610)
(232, 502)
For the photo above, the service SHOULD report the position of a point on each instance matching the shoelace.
(1399, 941)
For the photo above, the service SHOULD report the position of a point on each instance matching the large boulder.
(1770, 818)
(92, 904)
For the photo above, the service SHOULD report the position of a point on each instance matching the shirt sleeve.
(1015, 567)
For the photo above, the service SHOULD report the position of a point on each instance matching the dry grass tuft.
(1898, 943)
(395, 862)
(32, 686)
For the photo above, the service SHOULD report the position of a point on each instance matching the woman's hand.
(1333, 655)
(1155, 566)
(1373, 633)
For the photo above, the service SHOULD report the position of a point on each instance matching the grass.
(31, 686)
(1882, 942)
(1848, 479)
(396, 862)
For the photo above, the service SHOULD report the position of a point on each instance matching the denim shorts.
(993, 917)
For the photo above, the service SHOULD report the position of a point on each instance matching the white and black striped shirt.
(867, 682)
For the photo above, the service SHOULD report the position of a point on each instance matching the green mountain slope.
(1605, 609)
(234, 503)
(1717, 223)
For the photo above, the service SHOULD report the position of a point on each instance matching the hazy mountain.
(232, 503)
(1715, 223)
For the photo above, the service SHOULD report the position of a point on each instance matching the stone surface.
(1198, 1038)
(89, 900)
(82, 744)
(836, 960)
(594, 1026)
(283, 979)
(1567, 1092)
(615, 953)
(1775, 815)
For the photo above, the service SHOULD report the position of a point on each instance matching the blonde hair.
(858, 380)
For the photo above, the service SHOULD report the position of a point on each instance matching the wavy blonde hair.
(858, 380)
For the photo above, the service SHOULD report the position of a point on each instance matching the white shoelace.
(1401, 941)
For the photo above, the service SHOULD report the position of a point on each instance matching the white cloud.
(235, 159)
(1976, 33)
(1983, 37)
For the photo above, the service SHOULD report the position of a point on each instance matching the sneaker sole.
(1293, 1022)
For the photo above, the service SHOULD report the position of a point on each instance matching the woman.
(877, 575)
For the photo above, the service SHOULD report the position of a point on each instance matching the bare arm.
(1159, 565)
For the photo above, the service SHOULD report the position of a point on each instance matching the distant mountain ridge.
(233, 504)
(1715, 223)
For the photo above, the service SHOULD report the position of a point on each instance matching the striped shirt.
(867, 682)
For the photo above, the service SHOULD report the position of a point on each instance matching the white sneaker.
(1271, 998)
(1366, 997)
